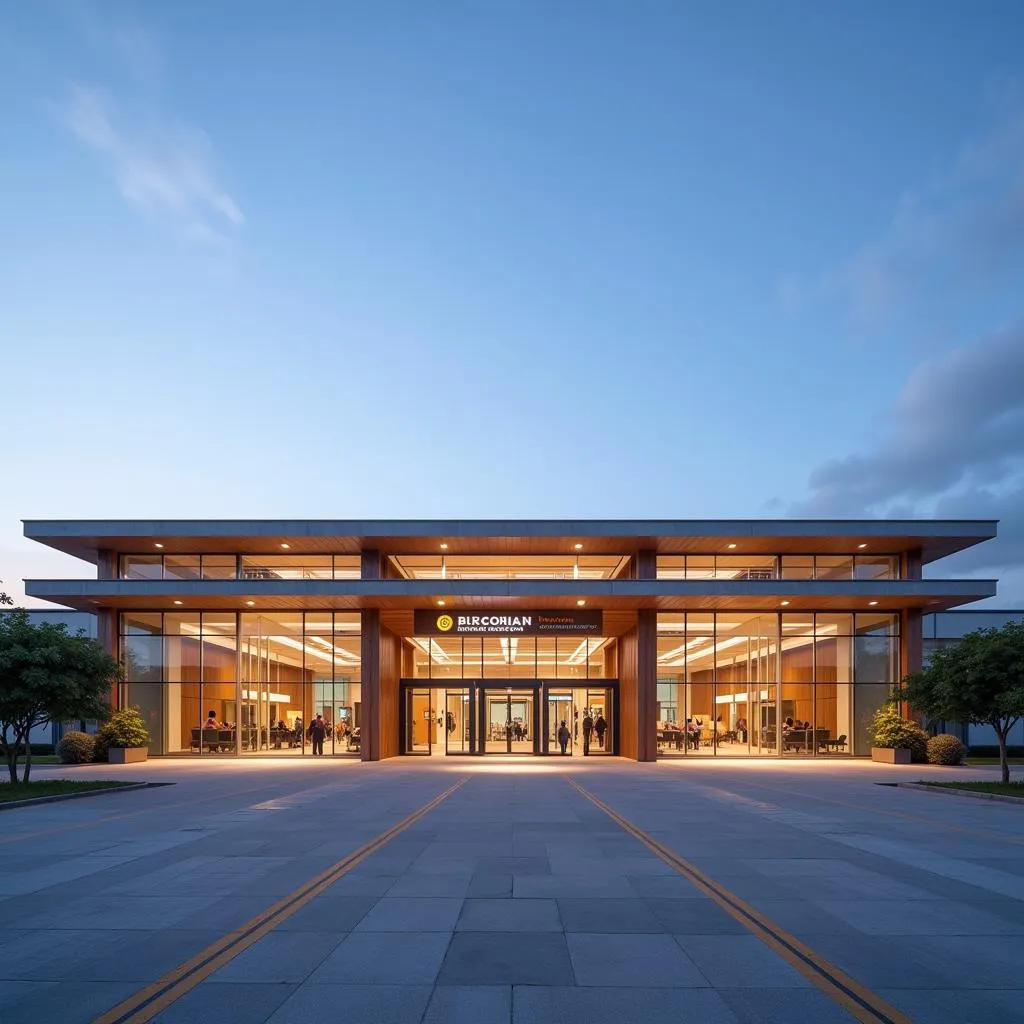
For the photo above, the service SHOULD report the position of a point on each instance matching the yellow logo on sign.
(445, 623)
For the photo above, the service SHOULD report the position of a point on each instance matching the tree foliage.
(979, 680)
(47, 674)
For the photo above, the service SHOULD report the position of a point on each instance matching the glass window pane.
(874, 659)
(798, 624)
(833, 567)
(745, 567)
(671, 567)
(876, 567)
(218, 567)
(141, 567)
(832, 624)
(879, 623)
(143, 658)
(834, 659)
(145, 623)
(700, 567)
(181, 567)
(797, 567)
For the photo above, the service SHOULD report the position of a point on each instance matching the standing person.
(588, 728)
(563, 736)
(317, 732)
(600, 728)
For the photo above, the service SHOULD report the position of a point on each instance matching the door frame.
(478, 690)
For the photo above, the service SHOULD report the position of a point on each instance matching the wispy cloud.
(963, 226)
(165, 168)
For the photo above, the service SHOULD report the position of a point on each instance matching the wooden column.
(647, 684)
(382, 662)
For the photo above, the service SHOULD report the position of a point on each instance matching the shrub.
(946, 749)
(124, 728)
(76, 748)
(890, 729)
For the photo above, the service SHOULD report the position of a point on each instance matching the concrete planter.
(127, 755)
(891, 755)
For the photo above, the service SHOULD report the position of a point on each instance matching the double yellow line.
(860, 1002)
(151, 1000)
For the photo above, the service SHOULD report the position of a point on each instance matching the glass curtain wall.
(772, 685)
(220, 683)
(770, 567)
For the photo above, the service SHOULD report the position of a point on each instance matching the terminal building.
(647, 638)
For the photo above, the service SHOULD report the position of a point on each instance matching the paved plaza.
(516, 898)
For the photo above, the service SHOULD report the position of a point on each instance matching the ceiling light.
(285, 545)
(440, 604)
(579, 547)
(783, 603)
(730, 546)
(444, 547)
(250, 603)
(581, 602)
(177, 602)
(872, 603)
(862, 545)
(158, 545)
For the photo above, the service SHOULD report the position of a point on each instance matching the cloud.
(163, 168)
(962, 227)
(952, 447)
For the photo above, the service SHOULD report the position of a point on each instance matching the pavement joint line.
(930, 822)
(859, 1001)
(129, 814)
(167, 990)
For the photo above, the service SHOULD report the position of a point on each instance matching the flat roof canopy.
(936, 538)
(607, 595)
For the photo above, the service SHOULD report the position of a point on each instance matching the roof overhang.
(934, 538)
(621, 595)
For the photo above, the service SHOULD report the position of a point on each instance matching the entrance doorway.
(476, 716)
(436, 721)
(510, 721)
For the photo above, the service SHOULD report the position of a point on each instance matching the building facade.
(746, 638)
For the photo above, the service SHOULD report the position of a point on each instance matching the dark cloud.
(953, 447)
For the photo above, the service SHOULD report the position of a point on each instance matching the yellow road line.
(860, 1002)
(156, 997)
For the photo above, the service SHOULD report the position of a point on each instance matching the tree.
(47, 674)
(979, 680)
(5, 598)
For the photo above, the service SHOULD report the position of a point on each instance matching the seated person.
(211, 721)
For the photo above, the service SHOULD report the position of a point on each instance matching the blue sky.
(512, 259)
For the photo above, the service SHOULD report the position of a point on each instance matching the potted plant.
(895, 740)
(125, 737)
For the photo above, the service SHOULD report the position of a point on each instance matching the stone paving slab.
(516, 899)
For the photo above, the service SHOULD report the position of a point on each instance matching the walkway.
(786, 892)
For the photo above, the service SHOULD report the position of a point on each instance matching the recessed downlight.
(250, 603)
(581, 602)
(284, 545)
(444, 547)
(578, 547)
(158, 545)
(440, 604)
(177, 602)
(731, 547)
(783, 603)
(872, 603)
(862, 546)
